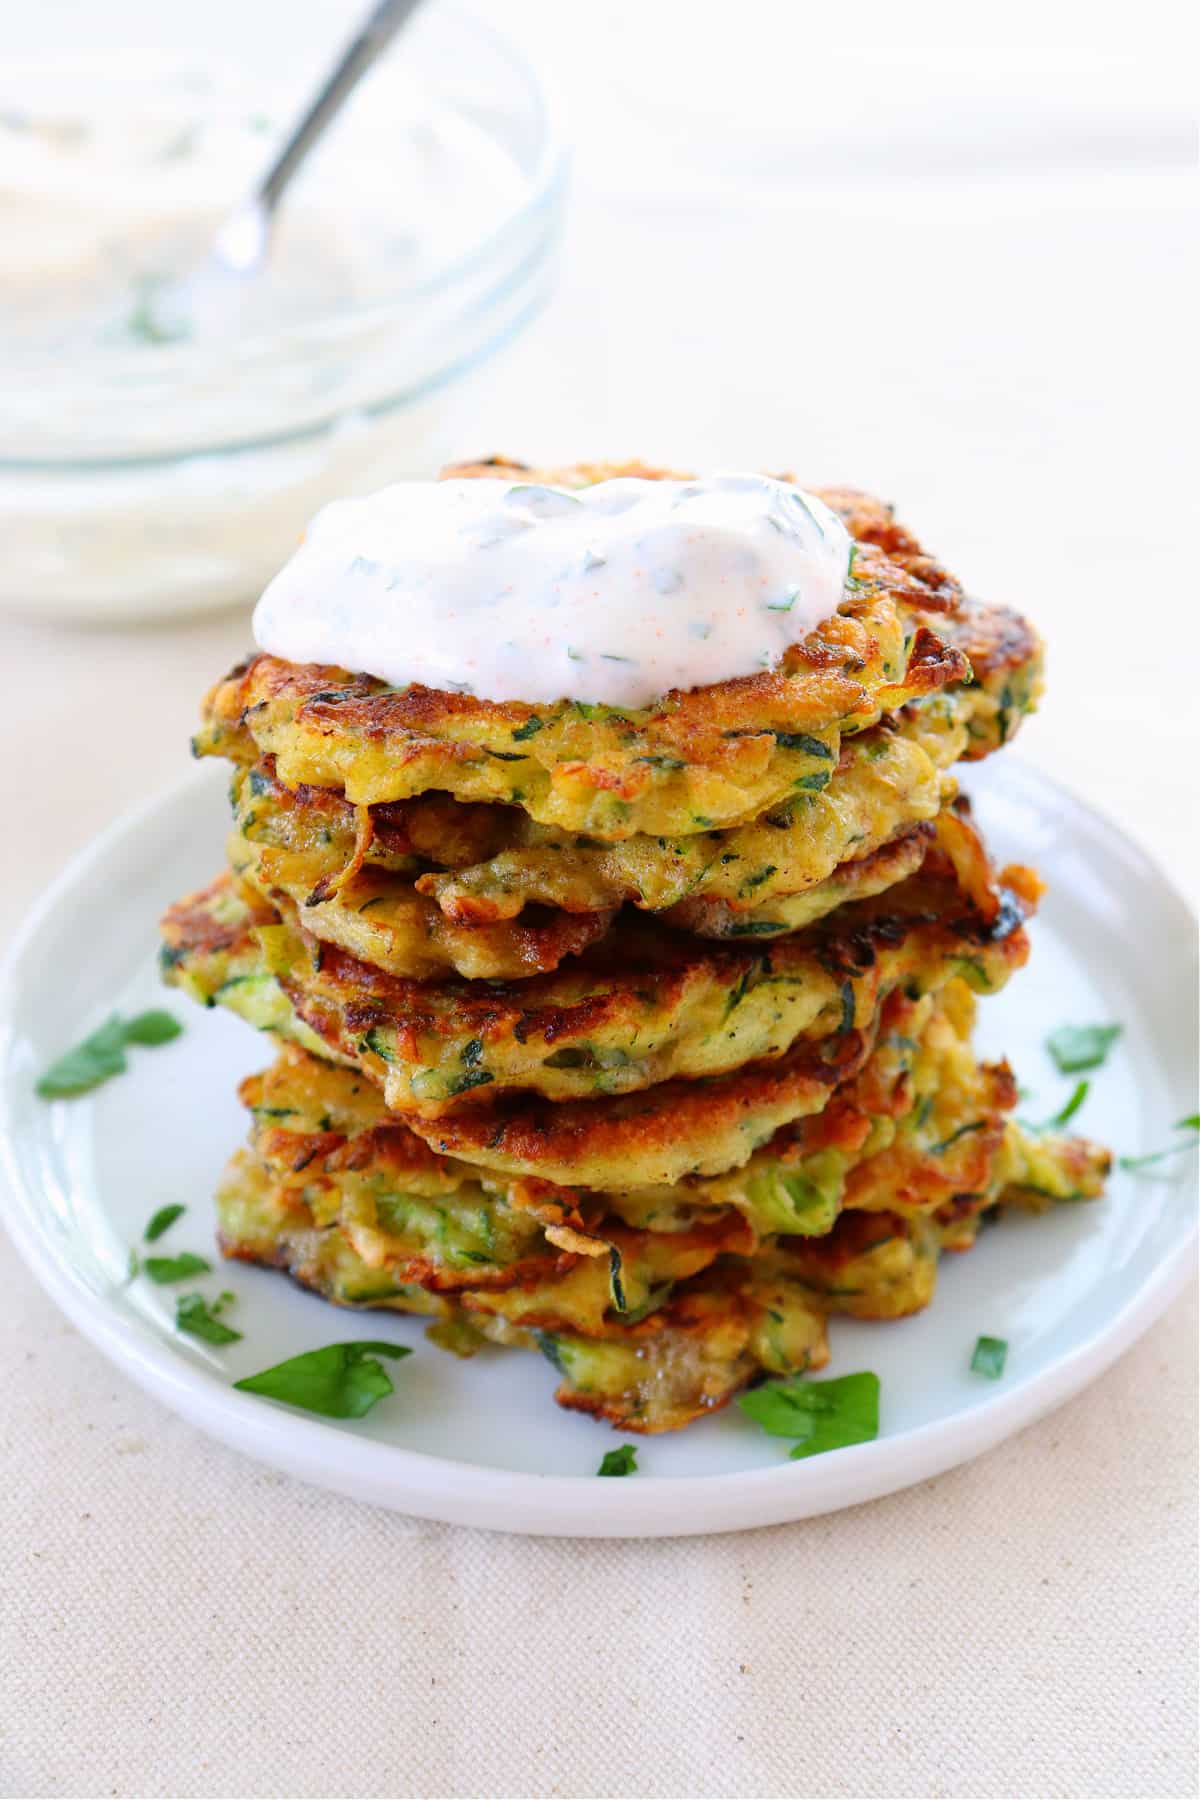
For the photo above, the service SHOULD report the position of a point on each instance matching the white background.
(954, 269)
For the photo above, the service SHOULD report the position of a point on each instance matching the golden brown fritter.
(884, 782)
(483, 865)
(699, 760)
(713, 758)
(649, 1325)
(920, 1125)
(639, 1009)
(861, 879)
(379, 917)
(302, 846)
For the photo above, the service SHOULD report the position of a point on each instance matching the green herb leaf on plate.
(1073, 1105)
(98, 1057)
(194, 1315)
(989, 1357)
(165, 1269)
(102, 1054)
(820, 1415)
(1135, 1163)
(152, 1028)
(163, 1219)
(1079, 1047)
(341, 1381)
(619, 1462)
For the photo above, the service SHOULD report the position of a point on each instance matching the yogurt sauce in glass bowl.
(116, 170)
(151, 465)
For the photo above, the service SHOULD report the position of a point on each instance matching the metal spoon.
(240, 244)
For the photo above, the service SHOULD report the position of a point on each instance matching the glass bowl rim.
(99, 367)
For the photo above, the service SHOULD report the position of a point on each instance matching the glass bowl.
(146, 481)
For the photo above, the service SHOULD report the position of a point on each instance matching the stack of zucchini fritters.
(641, 1037)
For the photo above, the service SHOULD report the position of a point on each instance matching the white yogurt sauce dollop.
(614, 593)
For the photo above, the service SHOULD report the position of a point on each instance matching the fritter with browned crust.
(365, 877)
(700, 760)
(921, 1124)
(641, 1008)
(342, 1196)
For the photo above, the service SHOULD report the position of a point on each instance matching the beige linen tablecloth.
(996, 347)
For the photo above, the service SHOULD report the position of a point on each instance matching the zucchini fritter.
(301, 846)
(699, 760)
(638, 1036)
(642, 1008)
(484, 864)
(346, 1199)
(921, 1125)
(363, 876)
(336, 1156)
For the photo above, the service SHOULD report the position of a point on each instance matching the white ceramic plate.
(481, 1442)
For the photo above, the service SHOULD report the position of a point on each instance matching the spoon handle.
(376, 34)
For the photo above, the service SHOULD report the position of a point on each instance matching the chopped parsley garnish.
(1067, 1112)
(165, 1269)
(854, 583)
(1079, 1047)
(99, 1056)
(152, 1028)
(149, 324)
(341, 1381)
(989, 1357)
(163, 1219)
(619, 1462)
(1134, 1163)
(102, 1054)
(820, 1415)
(194, 1315)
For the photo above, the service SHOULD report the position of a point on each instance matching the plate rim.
(437, 1487)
